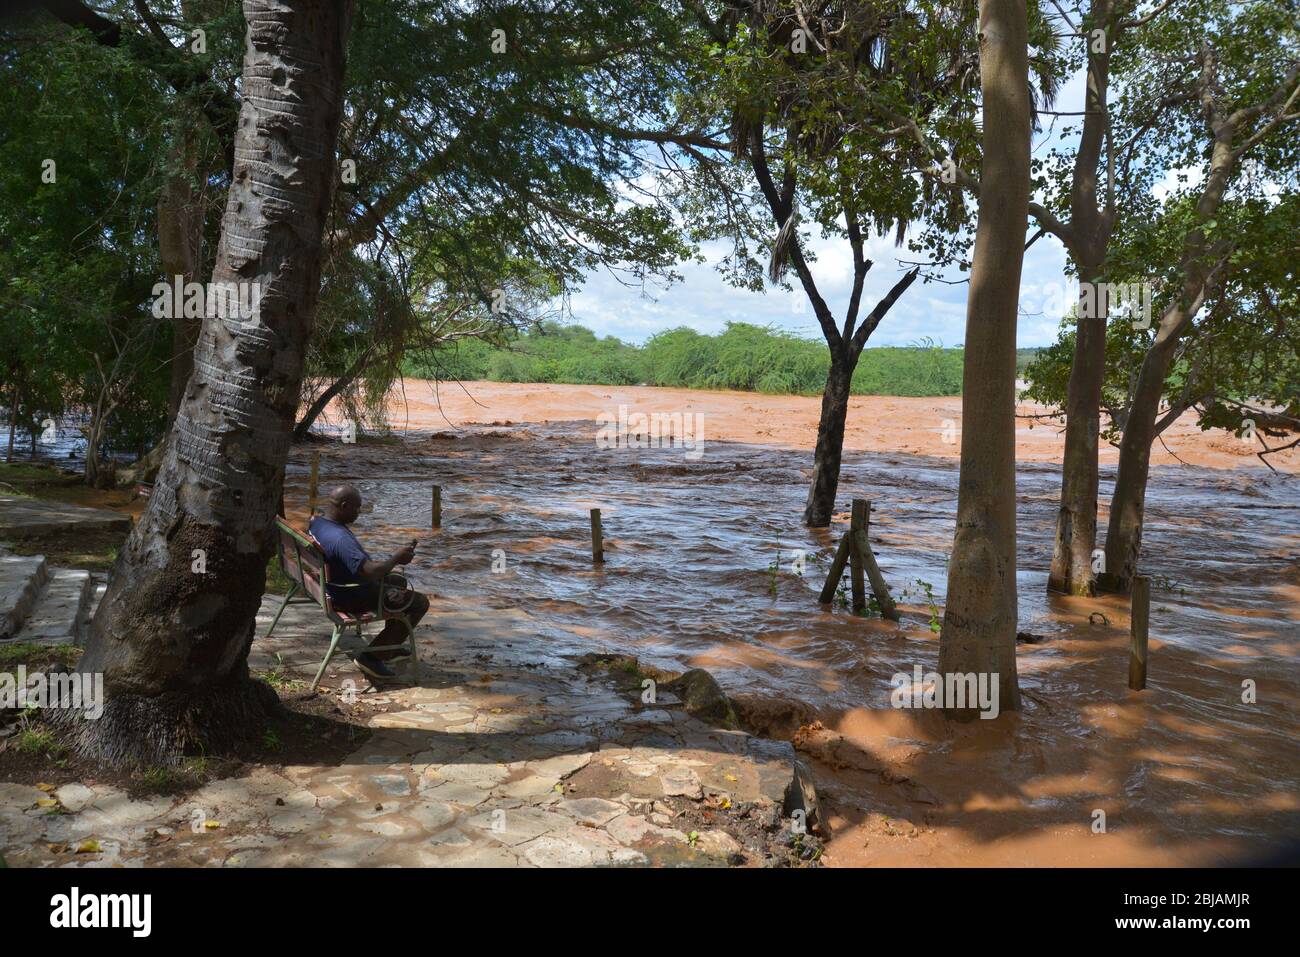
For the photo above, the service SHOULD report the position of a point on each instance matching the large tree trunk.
(1087, 241)
(173, 633)
(830, 441)
(979, 621)
(1076, 522)
(1128, 503)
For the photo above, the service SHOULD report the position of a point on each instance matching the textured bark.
(1128, 503)
(173, 643)
(830, 442)
(1076, 523)
(979, 622)
(1087, 238)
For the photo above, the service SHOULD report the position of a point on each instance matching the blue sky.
(703, 301)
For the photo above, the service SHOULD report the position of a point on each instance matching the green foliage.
(743, 357)
(79, 175)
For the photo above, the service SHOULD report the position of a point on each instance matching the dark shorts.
(355, 600)
(398, 603)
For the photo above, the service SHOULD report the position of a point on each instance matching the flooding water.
(703, 561)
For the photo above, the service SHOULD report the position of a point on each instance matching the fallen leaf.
(45, 787)
(89, 846)
(47, 802)
(212, 825)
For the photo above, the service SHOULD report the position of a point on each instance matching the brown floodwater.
(703, 569)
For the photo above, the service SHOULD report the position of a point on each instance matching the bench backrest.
(303, 562)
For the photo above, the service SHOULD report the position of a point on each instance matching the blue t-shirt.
(344, 556)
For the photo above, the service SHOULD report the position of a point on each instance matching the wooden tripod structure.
(855, 551)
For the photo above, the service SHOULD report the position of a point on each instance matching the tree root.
(136, 731)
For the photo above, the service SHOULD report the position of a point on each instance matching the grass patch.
(278, 678)
(163, 779)
(277, 582)
(92, 550)
(34, 656)
(23, 476)
(35, 740)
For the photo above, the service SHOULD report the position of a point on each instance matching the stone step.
(60, 612)
(96, 596)
(21, 579)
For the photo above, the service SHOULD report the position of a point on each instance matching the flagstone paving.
(509, 756)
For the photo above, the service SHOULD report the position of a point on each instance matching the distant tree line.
(746, 357)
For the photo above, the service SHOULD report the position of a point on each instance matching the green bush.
(743, 356)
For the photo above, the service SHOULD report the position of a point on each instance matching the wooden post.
(1139, 614)
(314, 480)
(858, 522)
(597, 539)
(837, 570)
(437, 506)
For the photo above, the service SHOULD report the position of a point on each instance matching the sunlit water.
(702, 555)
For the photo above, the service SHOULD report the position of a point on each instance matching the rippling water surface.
(702, 569)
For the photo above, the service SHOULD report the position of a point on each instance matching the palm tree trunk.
(979, 622)
(172, 641)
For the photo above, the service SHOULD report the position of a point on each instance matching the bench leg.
(334, 643)
(415, 657)
(283, 605)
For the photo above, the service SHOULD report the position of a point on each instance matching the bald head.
(343, 504)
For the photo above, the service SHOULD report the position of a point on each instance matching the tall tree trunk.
(1200, 265)
(13, 424)
(1128, 503)
(180, 234)
(979, 621)
(1087, 239)
(830, 441)
(1076, 522)
(173, 633)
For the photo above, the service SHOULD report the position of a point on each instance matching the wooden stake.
(837, 571)
(878, 587)
(857, 523)
(1139, 615)
(315, 477)
(437, 506)
(597, 539)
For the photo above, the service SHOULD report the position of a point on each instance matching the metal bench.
(304, 565)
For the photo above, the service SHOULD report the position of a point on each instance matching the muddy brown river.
(707, 565)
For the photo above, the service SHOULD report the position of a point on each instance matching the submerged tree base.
(136, 730)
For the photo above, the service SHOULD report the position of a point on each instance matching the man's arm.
(377, 571)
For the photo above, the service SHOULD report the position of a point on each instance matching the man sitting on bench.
(351, 565)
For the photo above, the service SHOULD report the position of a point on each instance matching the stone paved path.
(503, 756)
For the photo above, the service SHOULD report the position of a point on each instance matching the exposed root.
(159, 731)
